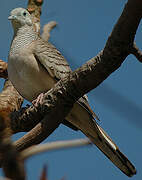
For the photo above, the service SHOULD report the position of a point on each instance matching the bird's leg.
(38, 100)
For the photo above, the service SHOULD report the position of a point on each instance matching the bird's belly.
(30, 81)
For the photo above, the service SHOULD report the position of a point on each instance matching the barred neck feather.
(23, 36)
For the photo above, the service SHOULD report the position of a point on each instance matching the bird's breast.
(28, 76)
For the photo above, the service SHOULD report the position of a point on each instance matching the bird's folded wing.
(57, 66)
(51, 59)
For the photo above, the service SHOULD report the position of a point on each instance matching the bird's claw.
(38, 100)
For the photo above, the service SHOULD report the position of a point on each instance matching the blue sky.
(83, 28)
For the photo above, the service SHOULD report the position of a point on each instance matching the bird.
(35, 66)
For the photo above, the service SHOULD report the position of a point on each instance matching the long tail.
(109, 148)
(83, 121)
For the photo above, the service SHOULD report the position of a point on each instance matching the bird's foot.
(38, 100)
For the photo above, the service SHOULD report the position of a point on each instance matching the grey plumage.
(34, 66)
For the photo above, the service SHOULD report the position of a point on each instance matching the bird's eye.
(24, 13)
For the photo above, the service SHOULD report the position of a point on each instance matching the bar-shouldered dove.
(34, 66)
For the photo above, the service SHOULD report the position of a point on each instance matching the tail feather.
(81, 119)
(108, 147)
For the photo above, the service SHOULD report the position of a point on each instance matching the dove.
(35, 66)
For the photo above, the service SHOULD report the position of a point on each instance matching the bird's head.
(20, 17)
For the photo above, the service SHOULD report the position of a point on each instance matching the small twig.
(36, 149)
(136, 52)
(44, 173)
(46, 30)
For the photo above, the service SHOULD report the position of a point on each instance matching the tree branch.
(52, 146)
(46, 30)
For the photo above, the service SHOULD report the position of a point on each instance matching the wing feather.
(57, 66)
(51, 59)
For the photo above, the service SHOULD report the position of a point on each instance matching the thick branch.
(59, 101)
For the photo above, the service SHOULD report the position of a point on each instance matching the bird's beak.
(11, 17)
